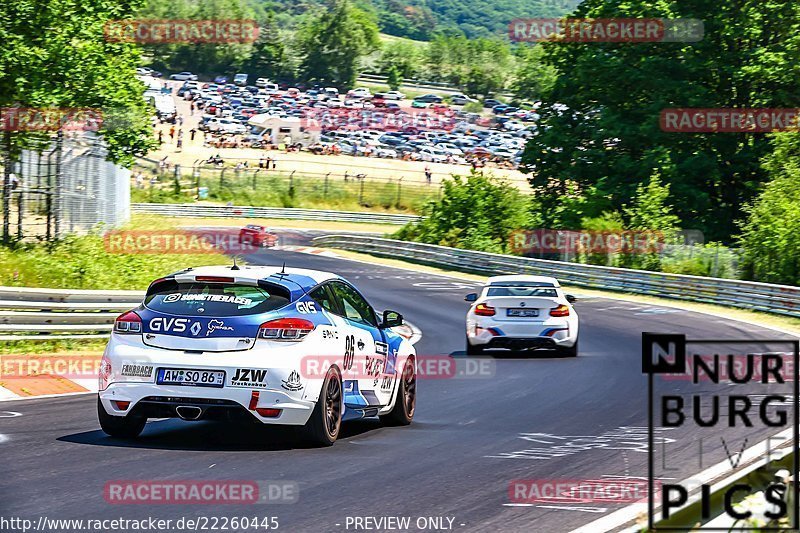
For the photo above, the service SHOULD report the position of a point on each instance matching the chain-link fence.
(67, 187)
(269, 186)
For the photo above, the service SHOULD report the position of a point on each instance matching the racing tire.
(124, 427)
(406, 403)
(323, 428)
(473, 350)
(569, 352)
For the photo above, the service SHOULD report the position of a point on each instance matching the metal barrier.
(38, 313)
(776, 299)
(193, 210)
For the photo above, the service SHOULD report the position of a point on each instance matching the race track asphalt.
(456, 460)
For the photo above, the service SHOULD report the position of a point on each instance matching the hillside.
(419, 19)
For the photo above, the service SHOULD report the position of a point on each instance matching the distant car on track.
(522, 312)
(238, 343)
(256, 235)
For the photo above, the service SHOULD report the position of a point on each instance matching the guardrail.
(225, 211)
(27, 313)
(776, 299)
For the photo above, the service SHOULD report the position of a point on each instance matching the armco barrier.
(38, 313)
(223, 211)
(777, 299)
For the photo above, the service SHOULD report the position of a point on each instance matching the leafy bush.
(771, 234)
(475, 212)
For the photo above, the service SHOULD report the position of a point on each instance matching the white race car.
(522, 312)
(265, 344)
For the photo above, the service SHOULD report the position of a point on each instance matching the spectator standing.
(191, 134)
(428, 174)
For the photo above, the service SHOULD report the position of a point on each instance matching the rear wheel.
(406, 403)
(126, 427)
(569, 352)
(473, 350)
(326, 420)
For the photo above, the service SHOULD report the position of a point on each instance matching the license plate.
(522, 312)
(191, 378)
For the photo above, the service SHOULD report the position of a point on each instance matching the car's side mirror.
(391, 319)
(571, 299)
(471, 297)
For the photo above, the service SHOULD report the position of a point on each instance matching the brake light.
(128, 323)
(285, 329)
(214, 279)
(484, 310)
(561, 310)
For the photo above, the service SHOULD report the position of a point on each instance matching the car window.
(324, 297)
(214, 299)
(522, 291)
(353, 305)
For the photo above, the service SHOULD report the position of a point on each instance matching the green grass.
(83, 263)
(271, 190)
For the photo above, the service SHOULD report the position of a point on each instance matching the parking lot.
(421, 138)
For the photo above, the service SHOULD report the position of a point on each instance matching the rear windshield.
(214, 299)
(522, 291)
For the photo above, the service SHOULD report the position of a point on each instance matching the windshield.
(214, 299)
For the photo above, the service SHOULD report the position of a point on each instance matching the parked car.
(222, 80)
(461, 99)
(491, 102)
(432, 154)
(183, 76)
(430, 98)
(394, 95)
(261, 83)
(240, 79)
(360, 92)
(419, 104)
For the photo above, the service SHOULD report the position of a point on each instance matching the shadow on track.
(176, 434)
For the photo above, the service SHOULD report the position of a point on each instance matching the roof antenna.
(235, 266)
(283, 268)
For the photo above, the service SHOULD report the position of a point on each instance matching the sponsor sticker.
(292, 383)
(137, 371)
(249, 377)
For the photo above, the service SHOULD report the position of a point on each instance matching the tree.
(533, 78)
(475, 212)
(770, 238)
(55, 54)
(401, 56)
(207, 58)
(269, 57)
(332, 44)
(600, 125)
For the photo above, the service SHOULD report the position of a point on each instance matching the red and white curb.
(305, 250)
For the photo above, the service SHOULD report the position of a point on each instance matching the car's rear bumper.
(160, 401)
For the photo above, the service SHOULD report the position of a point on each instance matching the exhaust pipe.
(189, 412)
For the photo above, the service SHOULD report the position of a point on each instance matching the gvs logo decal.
(176, 325)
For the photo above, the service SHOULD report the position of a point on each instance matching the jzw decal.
(249, 377)
(306, 308)
(381, 348)
(177, 325)
(349, 352)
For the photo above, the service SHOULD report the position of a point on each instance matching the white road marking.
(9, 414)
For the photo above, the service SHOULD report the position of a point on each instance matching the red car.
(257, 236)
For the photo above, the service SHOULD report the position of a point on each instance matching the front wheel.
(126, 427)
(406, 403)
(323, 427)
